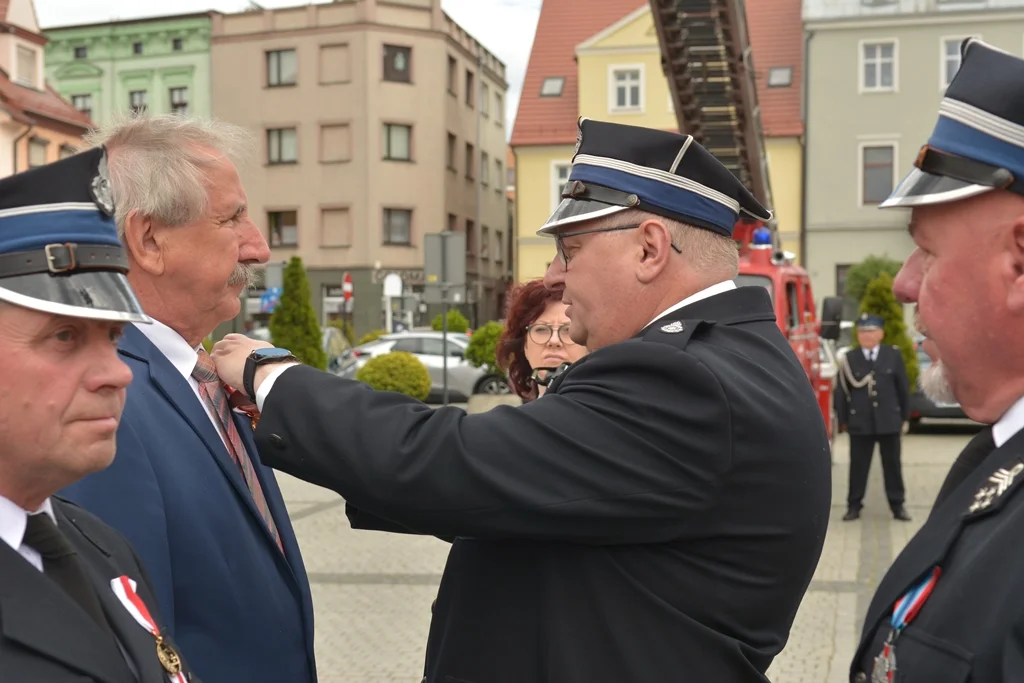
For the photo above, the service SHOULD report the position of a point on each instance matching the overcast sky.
(505, 27)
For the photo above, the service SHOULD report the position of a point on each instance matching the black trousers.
(862, 448)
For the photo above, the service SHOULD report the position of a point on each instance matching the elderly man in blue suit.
(186, 487)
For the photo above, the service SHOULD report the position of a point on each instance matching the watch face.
(272, 353)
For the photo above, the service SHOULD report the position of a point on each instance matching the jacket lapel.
(36, 613)
(169, 382)
(991, 481)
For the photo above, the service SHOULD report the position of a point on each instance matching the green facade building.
(161, 64)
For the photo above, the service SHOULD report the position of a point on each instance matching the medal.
(170, 660)
(903, 612)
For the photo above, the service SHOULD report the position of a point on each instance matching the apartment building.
(36, 125)
(159, 64)
(380, 122)
(877, 70)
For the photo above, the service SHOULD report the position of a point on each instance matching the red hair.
(526, 303)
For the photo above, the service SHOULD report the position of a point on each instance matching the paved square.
(372, 591)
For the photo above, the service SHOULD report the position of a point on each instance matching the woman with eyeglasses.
(535, 343)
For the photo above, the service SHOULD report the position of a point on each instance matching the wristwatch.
(260, 357)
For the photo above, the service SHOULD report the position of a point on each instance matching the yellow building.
(605, 63)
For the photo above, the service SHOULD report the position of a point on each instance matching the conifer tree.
(879, 300)
(293, 324)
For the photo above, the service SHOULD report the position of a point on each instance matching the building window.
(335, 228)
(453, 222)
(627, 88)
(485, 100)
(281, 68)
(778, 77)
(397, 226)
(453, 74)
(559, 177)
(179, 100)
(950, 59)
(451, 152)
(282, 146)
(552, 87)
(470, 159)
(396, 63)
(137, 101)
(485, 169)
(470, 90)
(26, 66)
(499, 108)
(510, 176)
(82, 103)
(878, 66)
(177, 44)
(485, 241)
(335, 143)
(470, 236)
(67, 151)
(498, 175)
(397, 142)
(878, 172)
(841, 270)
(283, 228)
(499, 246)
(136, 48)
(81, 52)
(37, 150)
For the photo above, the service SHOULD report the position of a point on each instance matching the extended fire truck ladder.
(706, 57)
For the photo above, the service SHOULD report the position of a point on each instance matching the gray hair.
(158, 164)
(708, 252)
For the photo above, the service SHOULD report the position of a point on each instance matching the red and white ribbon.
(124, 589)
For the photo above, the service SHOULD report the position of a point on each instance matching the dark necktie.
(60, 563)
(970, 457)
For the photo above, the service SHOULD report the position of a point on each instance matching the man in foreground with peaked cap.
(74, 599)
(657, 515)
(947, 611)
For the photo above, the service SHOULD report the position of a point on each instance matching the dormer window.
(552, 87)
(26, 73)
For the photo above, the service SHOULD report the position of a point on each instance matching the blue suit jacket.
(237, 607)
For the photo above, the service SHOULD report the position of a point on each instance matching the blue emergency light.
(761, 237)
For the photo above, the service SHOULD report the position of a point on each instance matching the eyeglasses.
(541, 333)
(563, 254)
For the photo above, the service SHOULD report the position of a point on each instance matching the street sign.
(269, 299)
(346, 287)
(393, 285)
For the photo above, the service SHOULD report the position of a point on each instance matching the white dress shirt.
(1009, 424)
(871, 354)
(183, 357)
(14, 521)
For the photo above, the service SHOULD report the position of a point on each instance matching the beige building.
(877, 70)
(381, 122)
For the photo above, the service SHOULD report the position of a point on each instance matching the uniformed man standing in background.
(658, 514)
(873, 403)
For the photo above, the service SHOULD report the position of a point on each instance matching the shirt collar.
(1009, 424)
(14, 519)
(694, 298)
(182, 356)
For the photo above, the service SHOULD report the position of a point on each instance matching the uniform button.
(277, 442)
(860, 677)
(875, 404)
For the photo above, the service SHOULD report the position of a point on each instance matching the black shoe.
(899, 512)
(851, 514)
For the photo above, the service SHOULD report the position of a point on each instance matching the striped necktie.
(216, 399)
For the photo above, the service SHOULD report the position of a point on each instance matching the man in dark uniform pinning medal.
(75, 602)
(873, 403)
(949, 608)
(658, 514)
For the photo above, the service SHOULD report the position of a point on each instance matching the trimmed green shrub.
(483, 348)
(858, 276)
(456, 322)
(879, 300)
(293, 325)
(397, 371)
(370, 336)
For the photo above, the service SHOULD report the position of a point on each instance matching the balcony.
(817, 10)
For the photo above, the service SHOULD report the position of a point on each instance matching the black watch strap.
(249, 376)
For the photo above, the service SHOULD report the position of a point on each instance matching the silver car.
(464, 380)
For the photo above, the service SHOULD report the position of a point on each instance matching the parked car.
(464, 380)
(922, 407)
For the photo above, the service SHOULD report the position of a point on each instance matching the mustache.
(243, 274)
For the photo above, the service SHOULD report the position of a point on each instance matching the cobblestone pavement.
(372, 591)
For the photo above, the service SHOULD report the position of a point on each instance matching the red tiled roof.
(563, 25)
(23, 102)
(777, 39)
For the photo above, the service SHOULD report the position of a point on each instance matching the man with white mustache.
(186, 488)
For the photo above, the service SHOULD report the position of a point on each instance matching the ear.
(143, 243)
(655, 249)
(1015, 301)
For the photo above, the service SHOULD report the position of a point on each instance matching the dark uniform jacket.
(655, 517)
(971, 628)
(45, 637)
(885, 410)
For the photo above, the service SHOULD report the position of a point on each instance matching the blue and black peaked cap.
(617, 167)
(59, 249)
(977, 145)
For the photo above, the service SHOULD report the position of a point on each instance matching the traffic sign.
(346, 287)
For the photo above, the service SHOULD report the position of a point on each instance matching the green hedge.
(456, 322)
(483, 348)
(370, 336)
(397, 371)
